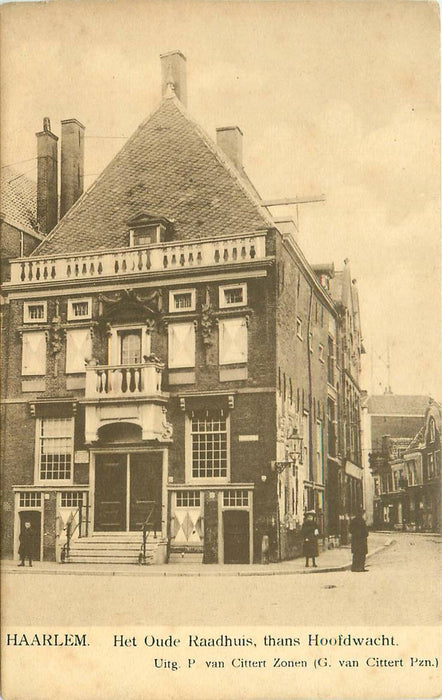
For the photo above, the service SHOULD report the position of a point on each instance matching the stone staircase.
(116, 548)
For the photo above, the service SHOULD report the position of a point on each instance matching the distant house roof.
(169, 165)
(404, 405)
(18, 203)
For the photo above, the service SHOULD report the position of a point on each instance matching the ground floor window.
(188, 499)
(30, 499)
(236, 498)
(72, 499)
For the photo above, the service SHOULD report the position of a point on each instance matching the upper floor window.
(232, 295)
(232, 341)
(209, 445)
(432, 430)
(430, 466)
(79, 309)
(55, 447)
(78, 349)
(331, 361)
(181, 345)
(182, 300)
(34, 353)
(130, 346)
(34, 312)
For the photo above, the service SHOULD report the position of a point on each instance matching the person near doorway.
(26, 547)
(359, 535)
(310, 534)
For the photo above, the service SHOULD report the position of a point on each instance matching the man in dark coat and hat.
(26, 547)
(310, 534)
(359, 534)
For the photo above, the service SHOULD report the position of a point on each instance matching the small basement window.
(233, 295)
(182, 300)
(79, 308)
(34, 312)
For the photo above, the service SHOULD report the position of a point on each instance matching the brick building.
(405, 462)
(176, 364)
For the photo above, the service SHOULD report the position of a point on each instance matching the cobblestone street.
(218, 595)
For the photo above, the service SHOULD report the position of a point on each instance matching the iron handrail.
(142, 558)
(70, 531)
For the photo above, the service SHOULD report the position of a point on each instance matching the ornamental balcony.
(124, 381)
(121, 395)
(177, 255)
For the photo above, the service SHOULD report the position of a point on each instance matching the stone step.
(104, 560)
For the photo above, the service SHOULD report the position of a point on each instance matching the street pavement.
(401, 587)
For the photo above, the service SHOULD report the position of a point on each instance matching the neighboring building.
(394, 425)
(19, 231)
(29, 210)
(177, 365)
(344, 466)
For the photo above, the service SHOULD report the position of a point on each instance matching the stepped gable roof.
(18, 203)
(170, 166)
(389, 404)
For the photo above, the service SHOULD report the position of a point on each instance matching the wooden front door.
(236, 536)
(145, 490)
(110, 492)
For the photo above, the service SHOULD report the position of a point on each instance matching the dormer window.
(148, 229)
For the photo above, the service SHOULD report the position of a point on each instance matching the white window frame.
(240, 360)
(25, 371)
(190, 479)
(26, 315)
(299, 328)
(172, 301)
(45, 480)
(80, 300)
(173, 360)
(114, 342)
(71, 368)
(223, 304)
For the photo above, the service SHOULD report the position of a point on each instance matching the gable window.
(79, 308)
(299, 328)
(34, 312)
(233, 341)
(182, 300)
(34, 353)
(78, 349)
(55, 447)
(209, 445)
(232, 295)
(432, 431)
(181, 345)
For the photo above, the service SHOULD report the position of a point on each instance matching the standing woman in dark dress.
(310, 534)
(26, 548)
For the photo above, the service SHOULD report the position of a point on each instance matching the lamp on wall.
(296, 444)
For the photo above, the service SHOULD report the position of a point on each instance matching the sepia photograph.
(220, 349)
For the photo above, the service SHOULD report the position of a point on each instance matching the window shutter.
(181, 345)
(34, 353)
(78, 349)
(232, 341)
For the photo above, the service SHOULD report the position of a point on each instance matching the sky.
(333, 98)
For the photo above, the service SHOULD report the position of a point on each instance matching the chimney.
(173, 75)
(47, 178)
(229, 140)
(72, 163)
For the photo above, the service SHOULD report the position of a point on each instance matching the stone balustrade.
(132, 261)
(123, 381)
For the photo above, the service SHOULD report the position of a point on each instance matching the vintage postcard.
(220, 342)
